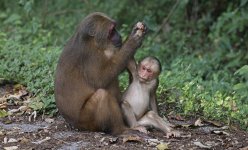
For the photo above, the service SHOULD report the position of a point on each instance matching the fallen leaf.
(23, 140)
(18, 87)
(3, 113)
(244, 148)
(13, 111)
(34, 115)
(102, 139)
(212, 143)
(113, 140)
(11, 148)
(5, 140)
(215, 123)
(132, 138)
(198, 122)
(199, 144)
(3, 99)
(176, 117)
(2, 133)
(185, 136)
(162, 146)
(23, 108)
(186, 125)
(3, 105)
(7, 121)
(18, 95)
(12, 140)
(41, 141)
(19, 113)
(221, 133)
(224, 128)
(153, 142)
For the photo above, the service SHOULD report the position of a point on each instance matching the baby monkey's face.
(148, 69)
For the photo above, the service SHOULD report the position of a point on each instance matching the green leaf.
(239, 86)
(243, 2)
(36, 105)
(14, 18)
(3, 113)
(162, 146)
(243, 70)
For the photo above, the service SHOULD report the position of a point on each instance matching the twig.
(64, 12)
(61, 140)
(166, 19)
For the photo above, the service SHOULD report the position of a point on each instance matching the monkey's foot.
(173, 133)
(141, 129)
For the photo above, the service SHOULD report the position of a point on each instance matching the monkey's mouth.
(118, 45)
(142, 79)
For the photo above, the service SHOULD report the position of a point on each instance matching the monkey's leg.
(102, 113)
(130, 117)
(152, 119)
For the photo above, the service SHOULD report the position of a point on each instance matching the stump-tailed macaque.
(139, 104)
(87, 90)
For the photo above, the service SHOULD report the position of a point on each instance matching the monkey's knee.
(125, 105)
(151, 114)
(100, 94)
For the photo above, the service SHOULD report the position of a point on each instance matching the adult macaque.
(87, 90)
(140, 96)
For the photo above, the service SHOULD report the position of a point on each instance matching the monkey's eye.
(149, 70)
(143, 68)
(111, 30)
(111, 33)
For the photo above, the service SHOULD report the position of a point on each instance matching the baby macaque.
(139, 104)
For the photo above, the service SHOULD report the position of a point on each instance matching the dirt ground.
(26, 131)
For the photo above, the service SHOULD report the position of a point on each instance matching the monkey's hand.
(136, 37)
(139, 30)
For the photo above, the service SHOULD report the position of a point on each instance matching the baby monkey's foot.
(173, 133)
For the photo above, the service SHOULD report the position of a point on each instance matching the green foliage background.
(202, 46)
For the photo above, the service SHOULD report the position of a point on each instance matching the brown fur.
(87, 91)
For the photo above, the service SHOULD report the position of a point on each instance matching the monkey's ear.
(92, 31)
(89, 30)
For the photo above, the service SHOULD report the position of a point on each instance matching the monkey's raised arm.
(132, 68)
(119, 61)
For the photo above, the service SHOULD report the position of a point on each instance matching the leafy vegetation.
(202, 46)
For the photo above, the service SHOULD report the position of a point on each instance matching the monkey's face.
(146, 72)
(114, 36)
(148, 69)
(102, 30)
